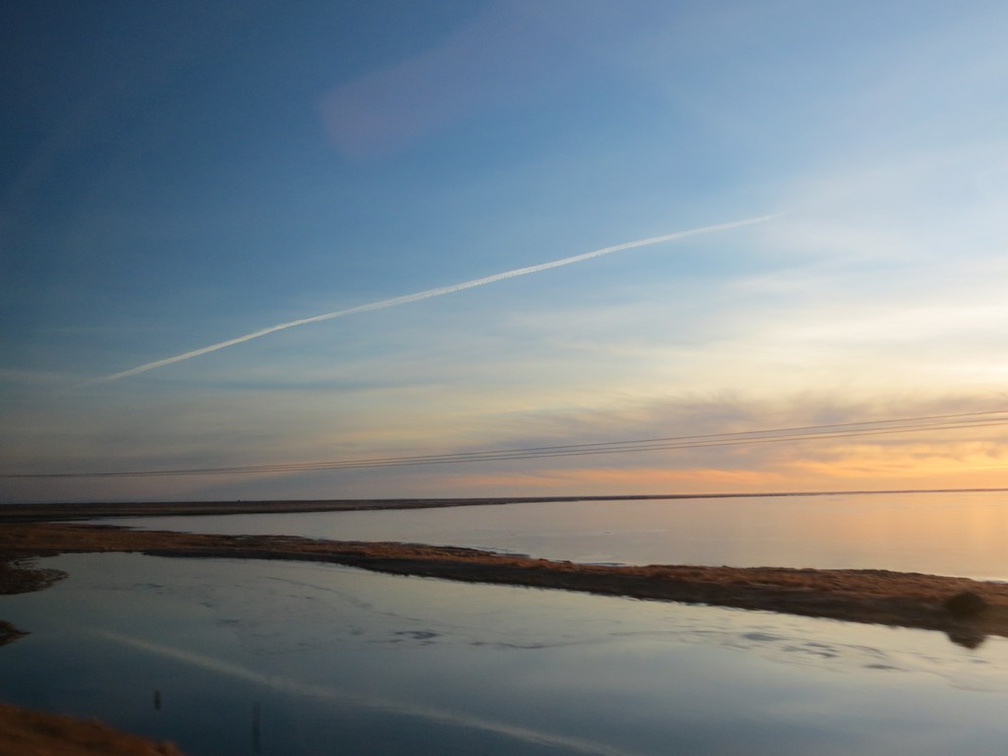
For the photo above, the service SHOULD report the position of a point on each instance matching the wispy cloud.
(431, 293)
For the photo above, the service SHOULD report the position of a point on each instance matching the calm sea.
(962, 534)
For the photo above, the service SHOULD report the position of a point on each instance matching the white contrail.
(430, 293)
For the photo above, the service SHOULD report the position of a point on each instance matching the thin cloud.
(431, 293)
(857, 429)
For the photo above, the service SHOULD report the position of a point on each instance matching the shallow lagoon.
(960, 534)
(235, 656)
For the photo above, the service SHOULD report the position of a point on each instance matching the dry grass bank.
(34, 733)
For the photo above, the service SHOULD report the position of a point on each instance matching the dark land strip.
(65, 512)
(966, 609)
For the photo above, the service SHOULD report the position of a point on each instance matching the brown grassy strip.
(9, 633)
(21, 578)
(873, 596)
(35, 733)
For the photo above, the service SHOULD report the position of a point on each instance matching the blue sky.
(176, 176)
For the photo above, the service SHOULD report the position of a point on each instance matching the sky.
(177, 176)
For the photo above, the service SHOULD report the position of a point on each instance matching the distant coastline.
(52, 512)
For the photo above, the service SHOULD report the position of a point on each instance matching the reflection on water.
(946, 534)
(232, 657)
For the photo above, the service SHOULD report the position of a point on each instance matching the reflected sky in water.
(963, 534)
(234, 656)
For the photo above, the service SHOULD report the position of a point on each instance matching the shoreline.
(63, 512)
(884, 597)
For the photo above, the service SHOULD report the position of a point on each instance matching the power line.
(946, 422)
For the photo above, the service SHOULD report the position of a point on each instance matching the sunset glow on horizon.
(781, 216)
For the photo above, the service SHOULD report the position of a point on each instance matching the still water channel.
(236, 657)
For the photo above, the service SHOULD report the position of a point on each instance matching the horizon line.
(293, 505)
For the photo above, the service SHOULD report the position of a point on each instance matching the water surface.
(947, 534)
(236, 656)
